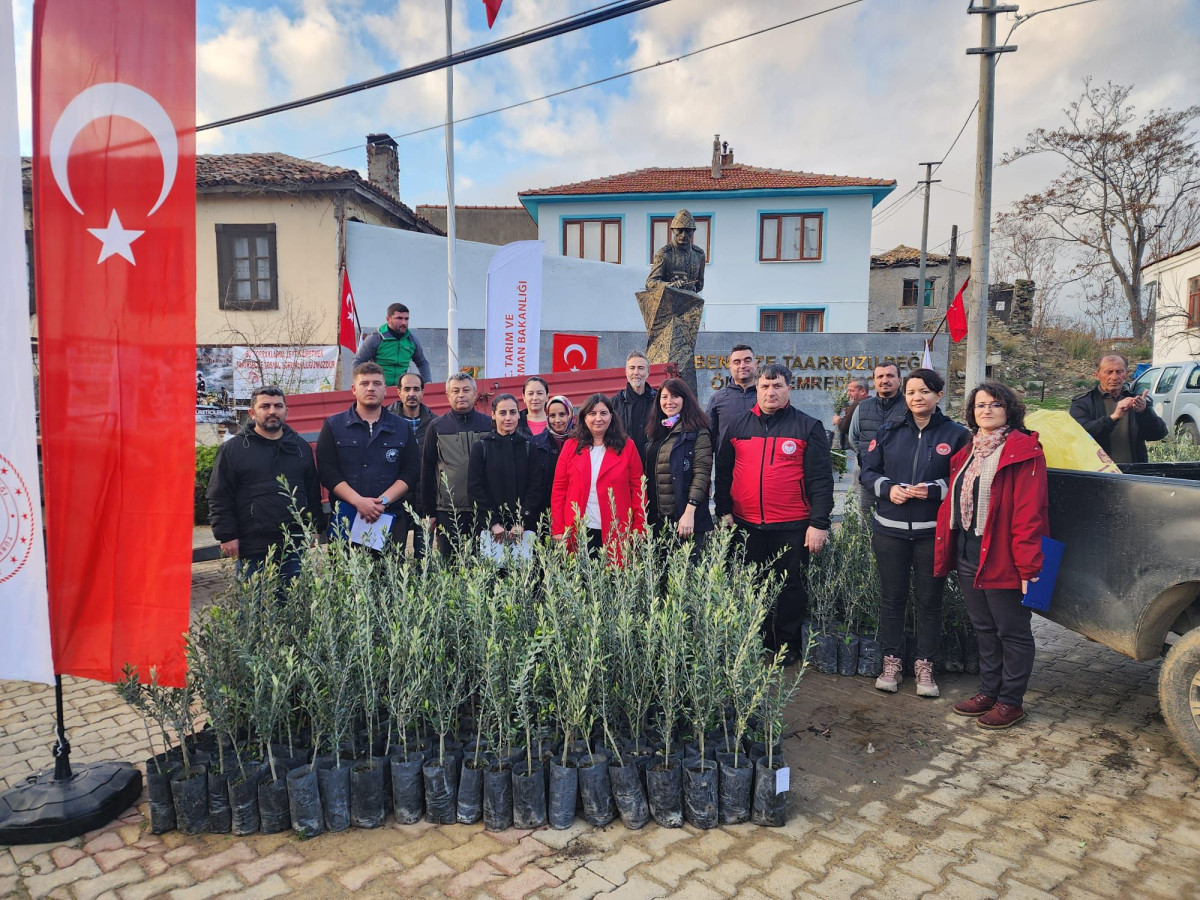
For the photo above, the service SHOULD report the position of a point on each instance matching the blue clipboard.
(1039, 592)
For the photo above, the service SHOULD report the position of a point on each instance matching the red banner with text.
(114, 190)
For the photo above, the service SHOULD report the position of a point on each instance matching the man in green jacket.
(393, 346)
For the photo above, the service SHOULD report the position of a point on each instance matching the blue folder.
(1038, 594)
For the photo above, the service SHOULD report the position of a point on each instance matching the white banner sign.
(297, 370)
(24, 608)
(512, 345)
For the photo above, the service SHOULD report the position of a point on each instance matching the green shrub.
(1081, 345)
(1140, 352)
(206, 456)
(1173, 448)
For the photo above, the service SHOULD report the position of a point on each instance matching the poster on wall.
(296, 370)
(214, 385)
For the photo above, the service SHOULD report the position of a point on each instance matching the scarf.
(669, 421)
(984, 462)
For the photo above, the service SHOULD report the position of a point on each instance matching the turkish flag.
(575, 352)
(956, 316)
(493, 9)
(114, 194)
(348, 320)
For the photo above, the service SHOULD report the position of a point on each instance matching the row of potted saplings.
(844, 597)
(332, 699)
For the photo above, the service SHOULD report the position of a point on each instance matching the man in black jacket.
(1120, 421)
(633, 403)
(412, 409)
(736, 397)
(250, 511)
(869, 415)
(774, 480)
(367, 459)
(445, 457)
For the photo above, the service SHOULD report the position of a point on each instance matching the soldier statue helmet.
(680, 263)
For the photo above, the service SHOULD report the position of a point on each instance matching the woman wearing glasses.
(906, 469)
(990, 527)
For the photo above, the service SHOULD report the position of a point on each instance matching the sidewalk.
(891, 797)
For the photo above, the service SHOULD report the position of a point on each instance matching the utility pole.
(929, 179)
(952, 271)
(452, 296)
(982, 221)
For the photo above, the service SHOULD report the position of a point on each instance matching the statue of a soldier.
(680, 264)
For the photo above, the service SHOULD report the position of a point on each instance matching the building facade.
(893, 291)
(1176, 282)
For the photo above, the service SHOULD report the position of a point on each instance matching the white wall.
(1173, 342)
(736, 284)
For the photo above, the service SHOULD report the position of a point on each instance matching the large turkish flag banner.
(114, 191)
(575, 352)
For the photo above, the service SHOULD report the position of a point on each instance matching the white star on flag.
(115, 239)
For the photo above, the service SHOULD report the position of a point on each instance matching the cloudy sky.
(872, 89)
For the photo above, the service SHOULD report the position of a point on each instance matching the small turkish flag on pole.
(956, 316)
(348, 317)
(575, 352)
(493, 9)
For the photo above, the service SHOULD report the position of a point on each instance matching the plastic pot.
(848, 650)
(220, 816)
(664, 790)
(243, 800)
(529, 795)
(498, 797)
(700, 793)
(595, 790)
(304, 802)
(735, 790)
(333, 781)
(564, 785)
(273, 811)
(190, 795)
(470, 791)
(825, 654)
(441, 789)
(629, 794)
(758, 750)
(769, 806)
(162, 801)
(408, 787)
(870, 657)
(368, 798)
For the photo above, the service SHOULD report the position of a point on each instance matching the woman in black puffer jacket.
(678, 463)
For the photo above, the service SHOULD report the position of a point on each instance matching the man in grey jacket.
(739, 394)
(869, 415)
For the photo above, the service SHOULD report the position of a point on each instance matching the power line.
(559, 27)
(599, 81)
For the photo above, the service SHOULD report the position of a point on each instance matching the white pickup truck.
(1175, 389)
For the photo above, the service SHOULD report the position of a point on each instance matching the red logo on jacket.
(871, 446)
(788, 447)
(943, 449)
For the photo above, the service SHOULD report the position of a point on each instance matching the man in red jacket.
(774, 481)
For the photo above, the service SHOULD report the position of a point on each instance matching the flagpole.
(452, 298)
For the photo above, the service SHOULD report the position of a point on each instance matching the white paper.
(499, 551)
(371, 534)
(783, 779)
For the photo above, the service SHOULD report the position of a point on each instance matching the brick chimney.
(383, 164)
(716, 162)
(726, 154)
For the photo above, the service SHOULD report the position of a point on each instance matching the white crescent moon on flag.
(101, 101)
(567, 353)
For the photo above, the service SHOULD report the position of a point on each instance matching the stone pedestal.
(672, 321)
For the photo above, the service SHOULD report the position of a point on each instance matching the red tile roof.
(902, 255)
(736, 177)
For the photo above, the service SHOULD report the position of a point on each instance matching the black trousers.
(790, 609)
(452, 530)
(1002, 627)
(899, 560)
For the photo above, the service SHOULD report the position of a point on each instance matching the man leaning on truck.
(1118, 420)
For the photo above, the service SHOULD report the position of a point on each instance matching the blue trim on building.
(712, 232)
(578, 218)
(759, 213)
(877, 192)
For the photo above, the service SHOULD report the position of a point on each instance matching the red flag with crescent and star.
(575, 352)
(114, 194)
(348, 318)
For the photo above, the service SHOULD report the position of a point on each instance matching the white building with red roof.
(786, 250)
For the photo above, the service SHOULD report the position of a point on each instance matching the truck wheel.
(1179, 693)
(1188, 431)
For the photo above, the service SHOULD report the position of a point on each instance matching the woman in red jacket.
(990, 527)
(598, 474)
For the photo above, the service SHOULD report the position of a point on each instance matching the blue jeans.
(248, 564)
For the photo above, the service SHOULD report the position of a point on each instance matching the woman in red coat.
(990, 528)
(598, 473)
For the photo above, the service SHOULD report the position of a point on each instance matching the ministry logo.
(16, 521)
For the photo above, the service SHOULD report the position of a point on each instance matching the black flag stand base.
(58, 805)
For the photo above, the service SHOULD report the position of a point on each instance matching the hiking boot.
(976, 706)
(1002, 715)
(926, 686)
(893, 668)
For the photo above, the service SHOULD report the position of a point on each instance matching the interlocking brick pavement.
(892, 797)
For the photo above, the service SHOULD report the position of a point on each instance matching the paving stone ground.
(891, 797)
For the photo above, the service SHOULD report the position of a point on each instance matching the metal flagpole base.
(44, 810)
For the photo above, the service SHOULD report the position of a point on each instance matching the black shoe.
(791, 658)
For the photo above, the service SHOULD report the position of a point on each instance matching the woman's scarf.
(669, 421)
(984, 462)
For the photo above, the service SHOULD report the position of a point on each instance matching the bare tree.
(277, 344)
(1128, 190)
(1024, 248)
